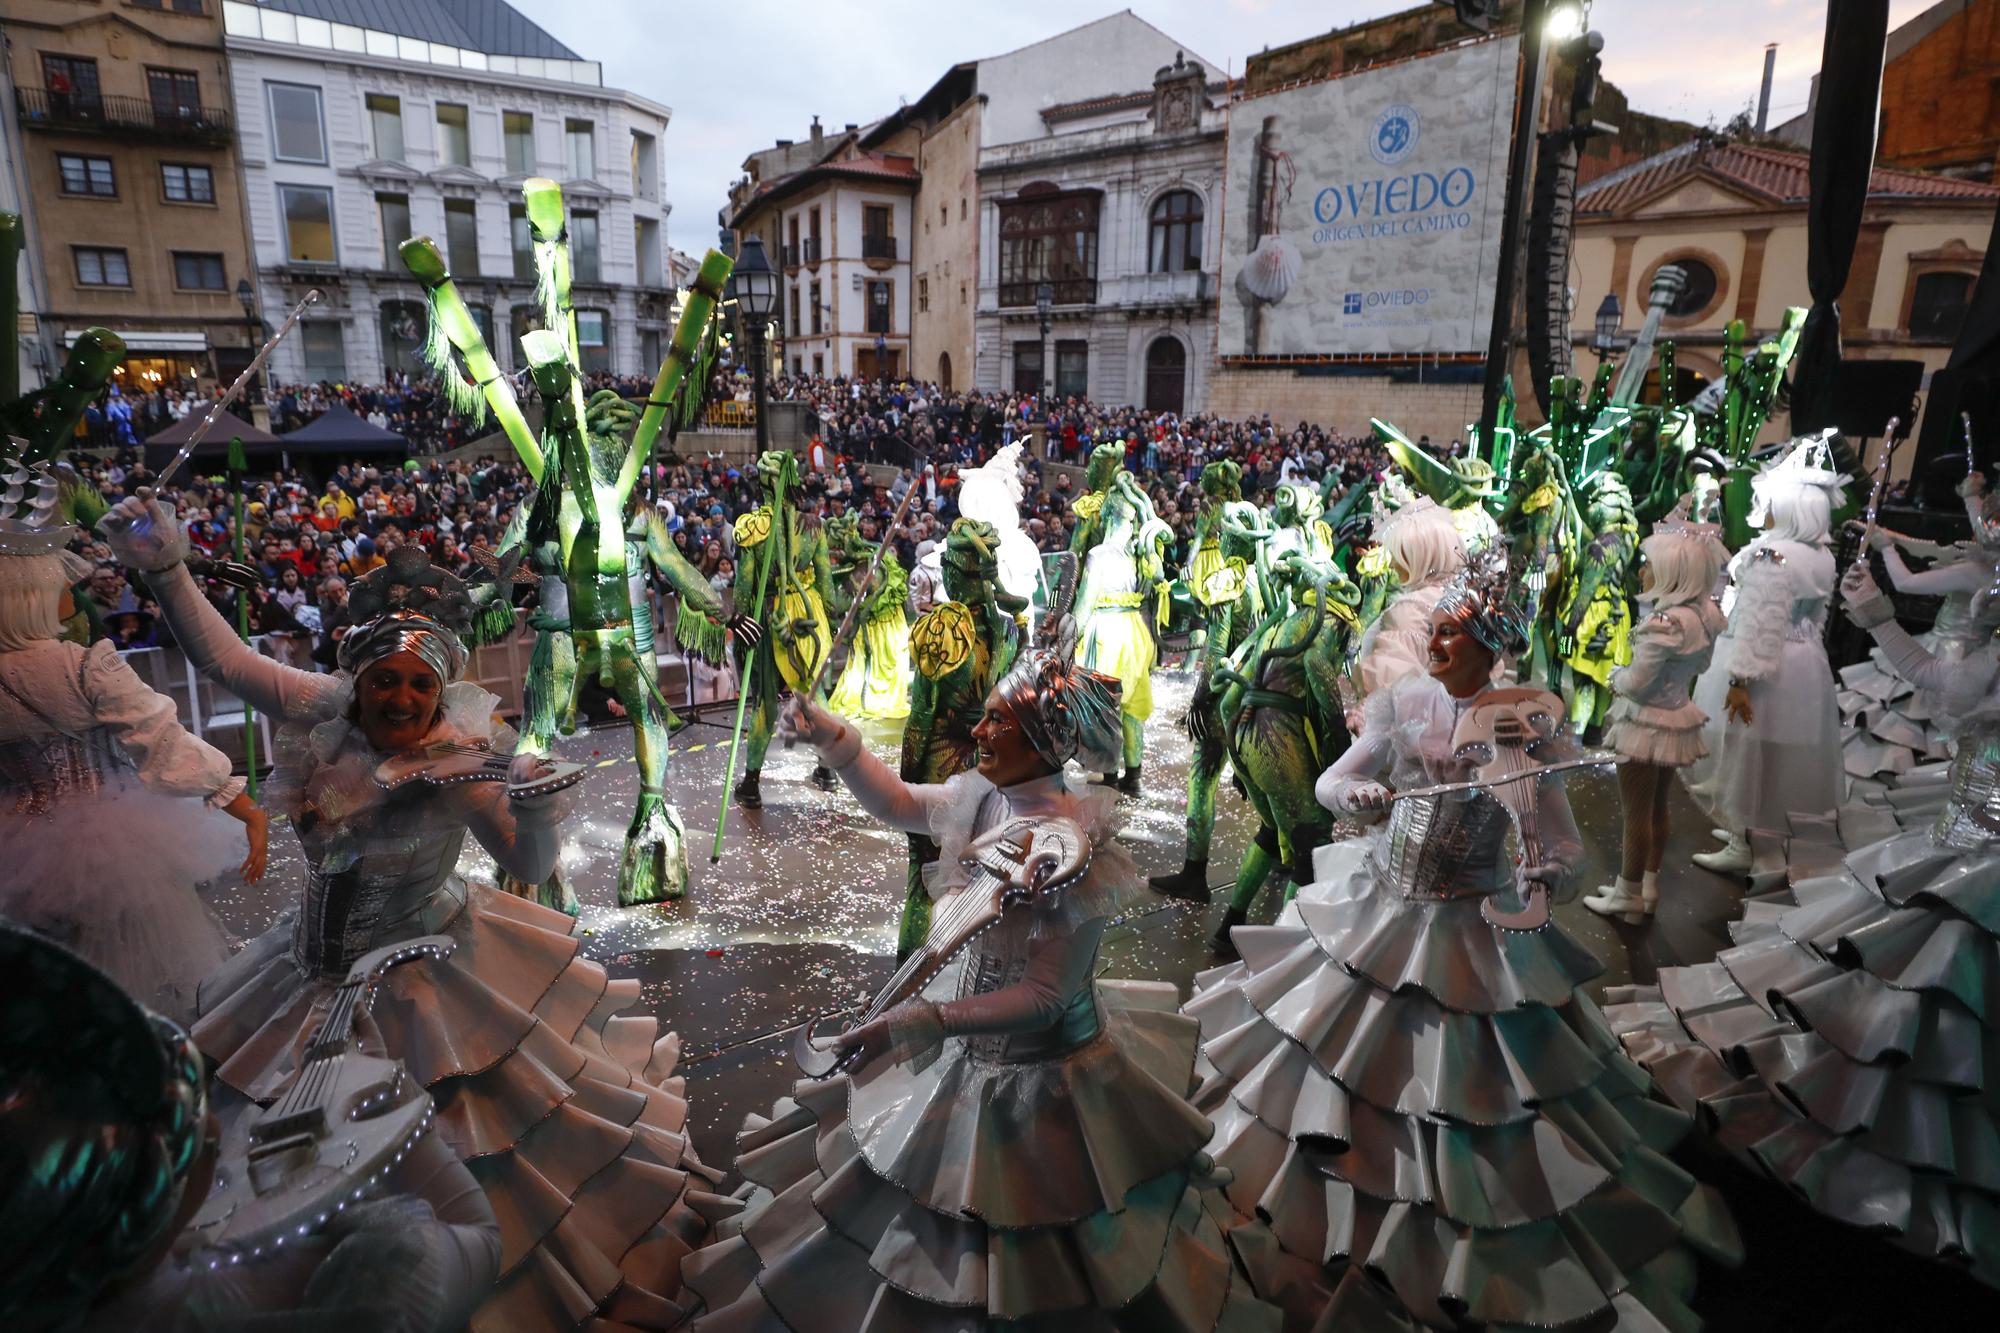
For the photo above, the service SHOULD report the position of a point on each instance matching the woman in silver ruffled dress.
(564, 1110)
(1015, 1149)
(1430, 1124)
(1845, 1045)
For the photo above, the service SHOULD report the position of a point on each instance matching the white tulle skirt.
(111, 875)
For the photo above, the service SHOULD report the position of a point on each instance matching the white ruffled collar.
(465, 714)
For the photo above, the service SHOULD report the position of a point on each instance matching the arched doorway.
(1166, 376)
(944, 371)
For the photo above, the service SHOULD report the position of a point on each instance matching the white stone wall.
(1116, 54)
(363, 276)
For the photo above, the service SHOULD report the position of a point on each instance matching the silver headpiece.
(1062, 709)
(1481, 598)
(408, 605)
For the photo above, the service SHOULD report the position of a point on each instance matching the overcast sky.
(741, 75)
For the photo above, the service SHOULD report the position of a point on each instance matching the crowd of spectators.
(310, 536)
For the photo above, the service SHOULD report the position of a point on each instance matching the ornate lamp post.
(1610, 315)
(753, 285)
(1045, 299)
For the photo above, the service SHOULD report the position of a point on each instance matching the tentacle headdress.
(1481, 598)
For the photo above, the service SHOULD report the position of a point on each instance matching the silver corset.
(1971, 818)
(989, 970)
(1445, 846)
(37, 776)
(362, 892)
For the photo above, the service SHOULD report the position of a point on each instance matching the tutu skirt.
(565, 1112)
(1669, 737)
(111, 876)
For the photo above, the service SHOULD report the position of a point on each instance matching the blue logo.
(1394, 136)
(1350, 304)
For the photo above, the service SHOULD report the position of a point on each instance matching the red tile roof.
(1773, 174)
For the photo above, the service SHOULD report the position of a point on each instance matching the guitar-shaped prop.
(447, 763)
(334, 1135)
(1012, 865)
(1495, 735)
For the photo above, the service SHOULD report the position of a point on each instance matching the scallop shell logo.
(1394, 136)
(1272, 268)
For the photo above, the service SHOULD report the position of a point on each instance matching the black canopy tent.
(213, 452)
(338, 433)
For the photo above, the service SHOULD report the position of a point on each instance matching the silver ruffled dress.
(1045, 1178)
(1429, 1123)
(1846, 1044)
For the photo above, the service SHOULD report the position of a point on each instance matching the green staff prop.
(743, 684)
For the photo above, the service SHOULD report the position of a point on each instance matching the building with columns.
(1732, 217)
(1117, 208)
(362, 124)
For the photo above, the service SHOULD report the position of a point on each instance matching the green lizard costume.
(1122, 573)
(960, 649)
(874, 684)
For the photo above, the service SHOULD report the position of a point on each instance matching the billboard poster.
(1363, 213)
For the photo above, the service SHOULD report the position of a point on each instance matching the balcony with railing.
(874, 246)
(1065, 291)
(809, 250)
(133, 117)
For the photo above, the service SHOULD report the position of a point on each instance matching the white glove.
(805, 720)
(1866, 606)
(143, 533)
(1365, 796)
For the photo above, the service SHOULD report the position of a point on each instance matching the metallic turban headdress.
(1480, 597)
(103, 1111)
(408, 605)
(1062, 709)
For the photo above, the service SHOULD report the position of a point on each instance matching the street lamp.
(753, 285)
(1045, 299)
(1610, 315)
(247, 298)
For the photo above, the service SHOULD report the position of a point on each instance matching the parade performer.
(1889, 725)
(585, 486)
(1594, 615)
(1843, 1046)
(1282, 713)
(1227, 585)
(1298, 510)
(1429, 1119)
(1654, 722)
(1769, 691)
(561, 1108)
(797, 589)
(874, 685)
(1423, 552)
(103, 830)
(1120, 572)
(960, 650)
(993, 494)
(1012, 1147)
(108, 1145)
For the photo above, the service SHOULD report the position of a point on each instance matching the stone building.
(123, 166)
(1733, 218)
(364, 124)
(1117, 208)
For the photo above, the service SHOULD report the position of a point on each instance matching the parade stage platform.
(798, 918)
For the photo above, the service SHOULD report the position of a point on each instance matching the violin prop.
(1021, 860)
(446, 763)
(235, 391)
(1881, 481)
(334, 1135)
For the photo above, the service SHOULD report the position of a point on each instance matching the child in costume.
(108, 806)
(1773, 721)
(1425, 551)
(1425, 1114)
(1013, 1147)
(1654, 721)
(564, 1111)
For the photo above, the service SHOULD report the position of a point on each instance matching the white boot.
(1733, 858)
(1620, 899)
(1649, 892)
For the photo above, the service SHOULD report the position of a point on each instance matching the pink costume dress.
(1654, 718)
(1429, 1122)
(103, 834)
(1041, 1165)
(564, 1111)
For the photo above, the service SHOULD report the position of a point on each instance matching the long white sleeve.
(1761, 619)
(1659, 639)
(524, 837)
(220, 655)
(1939, 580)
(901, 805)
(170, 759)
(1366, 758)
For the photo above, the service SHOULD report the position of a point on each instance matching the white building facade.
(354, 139)
(1118, 209)
(845, 255)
